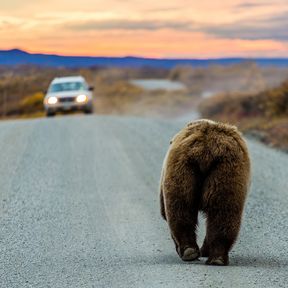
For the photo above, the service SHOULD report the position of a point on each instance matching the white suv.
(68, 93)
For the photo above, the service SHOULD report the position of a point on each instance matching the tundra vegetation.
(252, 97)
(262, 114)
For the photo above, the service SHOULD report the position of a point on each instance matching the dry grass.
(22, 89)
(264, 114)
(244, 77)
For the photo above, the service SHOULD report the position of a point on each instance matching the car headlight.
(52, 100)
(81, 98)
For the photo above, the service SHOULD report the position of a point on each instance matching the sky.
(170, 28)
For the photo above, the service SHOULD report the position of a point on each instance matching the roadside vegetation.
(22, 88)
(263, 115)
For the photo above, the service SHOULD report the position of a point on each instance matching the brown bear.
(206, 168)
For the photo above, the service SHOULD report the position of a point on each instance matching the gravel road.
(79, 208)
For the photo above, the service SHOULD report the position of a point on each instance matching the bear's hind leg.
(181, 197)
(223, 199)
(222, 232)
(183, 224)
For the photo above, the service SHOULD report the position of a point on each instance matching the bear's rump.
(213, 177)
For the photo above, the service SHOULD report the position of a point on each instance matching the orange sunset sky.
(171, 28)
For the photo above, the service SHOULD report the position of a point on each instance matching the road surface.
(159, 84)
(79, 208)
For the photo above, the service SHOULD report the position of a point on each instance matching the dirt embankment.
(263, 115)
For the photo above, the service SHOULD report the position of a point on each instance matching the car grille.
(66, 99)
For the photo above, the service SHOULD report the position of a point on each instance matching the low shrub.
(264, 114)
(33, 103)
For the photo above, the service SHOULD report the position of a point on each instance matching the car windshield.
(67, 86)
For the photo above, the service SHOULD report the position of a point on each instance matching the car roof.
(68, 79)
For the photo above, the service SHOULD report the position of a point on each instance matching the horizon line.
(27, 51)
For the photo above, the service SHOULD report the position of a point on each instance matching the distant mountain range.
(18, 57)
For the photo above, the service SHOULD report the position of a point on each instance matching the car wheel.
(88, 110)
(50, 114)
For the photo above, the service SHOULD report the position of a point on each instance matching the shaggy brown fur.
(207, 168)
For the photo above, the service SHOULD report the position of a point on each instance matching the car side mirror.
(91, 88)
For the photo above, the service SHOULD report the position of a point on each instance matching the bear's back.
(206, 141)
